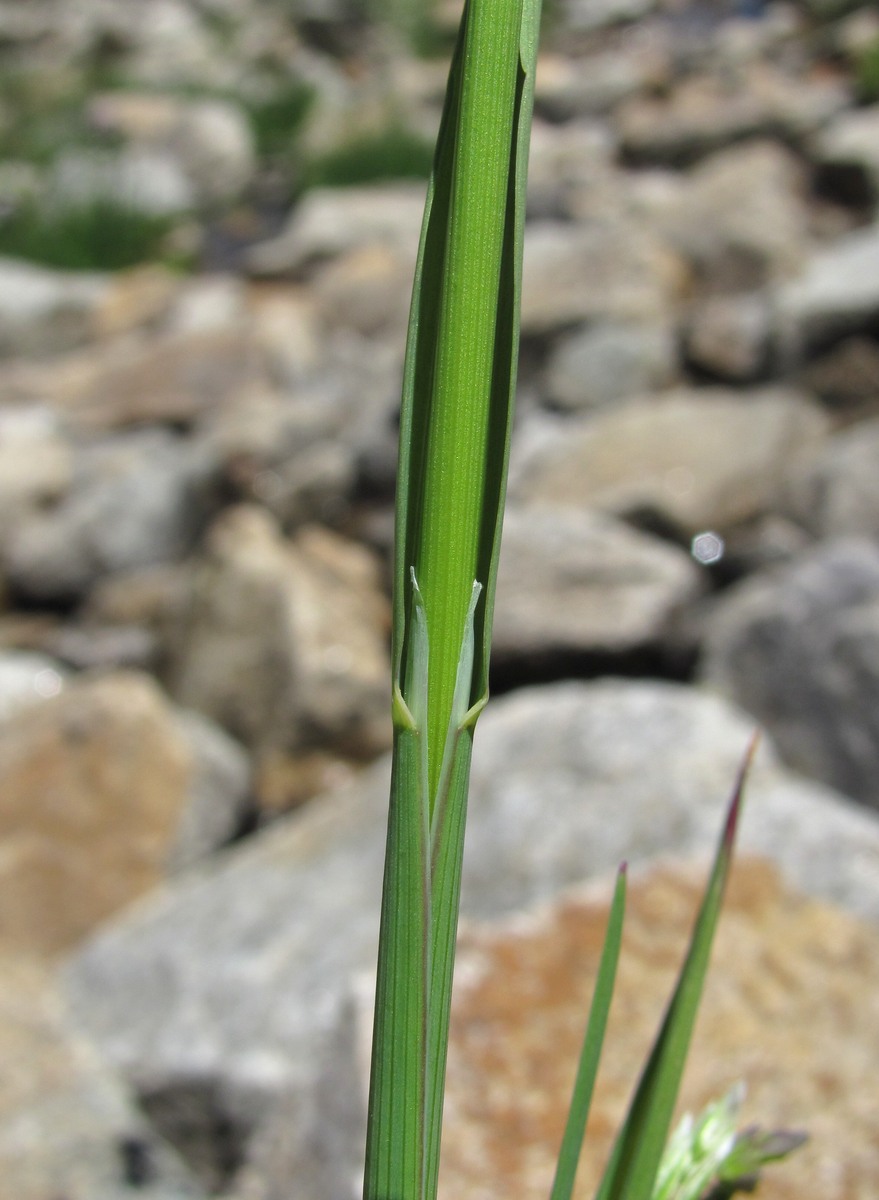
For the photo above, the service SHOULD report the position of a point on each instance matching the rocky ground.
(197, 454)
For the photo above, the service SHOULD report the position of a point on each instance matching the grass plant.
(103, 234)
(459, 383)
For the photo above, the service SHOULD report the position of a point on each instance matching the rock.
(730, 337)
(284, 644)
(210, 139)
(572, 173)
(799, 649)
(368, 290)
(217, 793)
(179, 378)
(573, 582)
(593, 84)
(846, 377)
(847, 154)
(45, 312)
(329, 222)
(612, 270)
(787, 1011)
(837, 293)
(707, 112)
(144, 179)
(26, 680)
(699, 459)
(138, 298)
(95, 786)
(606, 362)
(838, 493)
(66, 1125)
(232, 979)
(36, 463)
(584, 16)
(136, 501)
(739, 218)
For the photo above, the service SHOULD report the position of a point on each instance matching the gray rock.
(136, 501)
(209, 140)
(329, 222)
(44, 312)
(837, 293)
(730, 336)
(799, 649)
(145, 179)
(701, 459)
(705, 112)
(571, 167)
(581, 16)
(837, 494)
(575, 582)
(594, 84)
(234, 976)
(612, 269)
(739, 218)
(67, 1127)
(604, 362)
(217, 792)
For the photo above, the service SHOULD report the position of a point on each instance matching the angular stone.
(284, 644)
(708, 111)
(837, 494)
(67, 1127)
(730, 337)
(136, 501)
(789, 1010)
(572, 581)
(45, 312)
(606, 362)
(179, 379)
(837, 293)
(232, 980)
(94, 789)
(612, 269)
(739, 218)
(700, 459)
(799, 649)
(329, 222)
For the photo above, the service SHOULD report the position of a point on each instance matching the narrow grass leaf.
(587, 1069)
(459, 382)
(634, 1163)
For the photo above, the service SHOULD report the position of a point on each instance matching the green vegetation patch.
(393, 153)
(102, 235)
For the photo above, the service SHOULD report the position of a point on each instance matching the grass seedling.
(459, 381)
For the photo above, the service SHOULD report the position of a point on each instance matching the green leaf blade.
(593, 1041)
(634, 1163)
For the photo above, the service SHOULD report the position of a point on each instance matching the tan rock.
(700, 458)
(285, 643)
(791, 1008)
(93, 784)
(176, 378)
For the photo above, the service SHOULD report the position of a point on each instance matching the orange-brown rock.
(791, 1008)
(93, 784)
